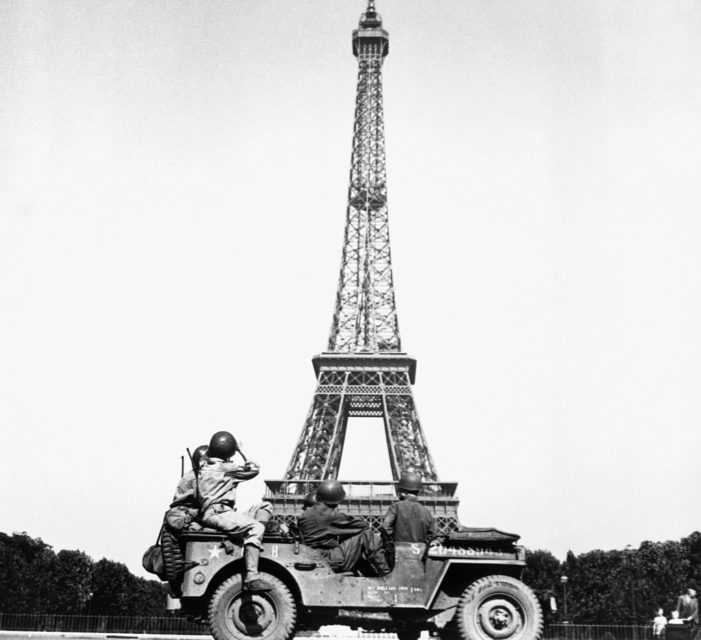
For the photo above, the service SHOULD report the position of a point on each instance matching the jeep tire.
(235, 614)
(498, 608)
(173, 561)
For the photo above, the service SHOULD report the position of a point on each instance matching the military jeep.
(465, 588)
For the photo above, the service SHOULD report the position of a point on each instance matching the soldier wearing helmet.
(408, 520)
(345, 541)
(309, 500)
(218, 479)
(185, 492)
(185, 506)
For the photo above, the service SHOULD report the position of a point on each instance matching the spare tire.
(173, 560)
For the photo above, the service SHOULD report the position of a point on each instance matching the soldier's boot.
(252, 581)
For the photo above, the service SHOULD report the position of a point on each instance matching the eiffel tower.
(364, 372)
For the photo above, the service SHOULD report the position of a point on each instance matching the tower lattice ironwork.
(364, 372)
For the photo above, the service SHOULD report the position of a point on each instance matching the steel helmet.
(222, 445)
(330, 492)
(410, 481)
(197, 456)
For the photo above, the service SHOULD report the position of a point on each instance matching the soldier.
(184, 507)
(309, 500)
(218, 479)
(342, 539)
(186, 491)
(408, 520)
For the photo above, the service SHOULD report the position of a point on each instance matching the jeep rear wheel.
(498, 608)
(235, 614)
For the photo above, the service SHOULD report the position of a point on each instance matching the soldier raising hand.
(218, 479)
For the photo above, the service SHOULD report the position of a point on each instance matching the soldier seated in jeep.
(346, 542)
(407, 520)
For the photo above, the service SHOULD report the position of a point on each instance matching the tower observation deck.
(364, 372)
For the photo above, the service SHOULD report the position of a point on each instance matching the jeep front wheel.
(235, 614)
(498, 608)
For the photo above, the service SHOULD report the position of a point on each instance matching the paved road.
(51, 635)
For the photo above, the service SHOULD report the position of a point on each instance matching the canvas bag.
(152, 560)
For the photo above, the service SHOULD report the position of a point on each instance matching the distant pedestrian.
(659, 624)
(675, 618)
(688, 608)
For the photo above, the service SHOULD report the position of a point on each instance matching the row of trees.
(35, 579)
(615, 587)
(603, 587)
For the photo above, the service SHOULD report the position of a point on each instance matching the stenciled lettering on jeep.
(468, 552)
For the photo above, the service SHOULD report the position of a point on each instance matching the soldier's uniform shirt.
(186, 491)
(409, 521)
(323, 527)
(218, 480)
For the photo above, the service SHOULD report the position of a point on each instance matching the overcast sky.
(172, 205)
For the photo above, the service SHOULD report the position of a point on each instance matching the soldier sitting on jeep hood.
(217, 482)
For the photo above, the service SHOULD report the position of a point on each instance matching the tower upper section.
(370, 31)
(365, 317)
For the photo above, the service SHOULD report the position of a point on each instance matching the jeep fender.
(457, 574)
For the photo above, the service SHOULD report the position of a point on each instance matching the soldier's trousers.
(365, 546)
(225, 518)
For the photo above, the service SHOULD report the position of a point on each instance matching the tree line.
(603, 587)
(615, 587)
(35, 579)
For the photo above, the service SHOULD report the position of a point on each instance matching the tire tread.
(458, 623)
(287, 608)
